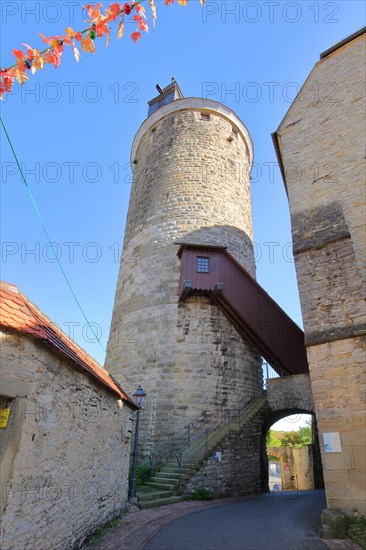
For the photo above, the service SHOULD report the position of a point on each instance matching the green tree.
(304, 435)
(289, 439)
(272, 439)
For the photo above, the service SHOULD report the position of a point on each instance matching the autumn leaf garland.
(32, 59)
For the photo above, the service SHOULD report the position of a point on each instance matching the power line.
(49, 240)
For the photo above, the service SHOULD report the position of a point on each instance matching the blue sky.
(72, 129)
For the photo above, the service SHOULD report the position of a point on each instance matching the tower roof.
(179, 103)
(166, 95)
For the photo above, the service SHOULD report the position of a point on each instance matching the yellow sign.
(4, 415)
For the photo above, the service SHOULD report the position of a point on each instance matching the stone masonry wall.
(299, 473)
(328, 273)
(290, 392)
(322, 142)
(69, 474)
(337, 372)
(322, 139)
(191, 184)
(239, 472)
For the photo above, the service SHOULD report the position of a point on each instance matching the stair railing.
(167, 449)
(213, 434)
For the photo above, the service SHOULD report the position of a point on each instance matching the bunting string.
(98, 22)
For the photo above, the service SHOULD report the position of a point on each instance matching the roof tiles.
(18, 313)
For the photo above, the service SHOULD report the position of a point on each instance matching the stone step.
(190, 462)
(168, 478)
(188, 467)
(174, 470)
(163, 486)
(160, 502)
(158, 479)
(172, 475)
(154, 495)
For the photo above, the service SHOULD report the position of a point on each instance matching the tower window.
(205, 116)
(234, 132)
(203, 265)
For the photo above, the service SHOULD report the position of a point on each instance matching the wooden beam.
(219, 289)
(187, 287)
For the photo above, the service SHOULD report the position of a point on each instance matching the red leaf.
(140, 8)
(136, 36)
(44, 38)
(18, 54)
(67, 40)
(8, 80)
(113, 11)
(88, 45)
(2, 90)
(143, 26)
(93, 10)
(30, 53)
(19, 73)
(54, 57)
(101, 28)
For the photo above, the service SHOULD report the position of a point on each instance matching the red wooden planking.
(249, 306)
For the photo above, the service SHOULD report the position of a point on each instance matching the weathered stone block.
(334, 524)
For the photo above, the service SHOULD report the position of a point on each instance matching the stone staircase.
(167, 485)
(209, 441)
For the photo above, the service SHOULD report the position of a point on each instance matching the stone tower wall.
(191, 184)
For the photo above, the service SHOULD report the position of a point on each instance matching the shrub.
(356, 531)
(143, 474)
(201, 494)
(102, 531)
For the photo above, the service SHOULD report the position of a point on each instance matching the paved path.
(139, 526)
(274, 521)
(289, 519)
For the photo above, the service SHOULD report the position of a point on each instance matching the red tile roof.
(18, 313)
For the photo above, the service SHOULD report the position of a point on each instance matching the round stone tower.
(191, 160)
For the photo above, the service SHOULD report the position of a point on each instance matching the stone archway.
(271, 418)
(287, 396)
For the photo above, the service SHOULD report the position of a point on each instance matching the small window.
(205, 116)
(234, 132)
(203, 265)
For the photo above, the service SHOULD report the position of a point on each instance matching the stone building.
(296, 467)
(191, 160)
(65, 434)
(320, 147)
(190, 323)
